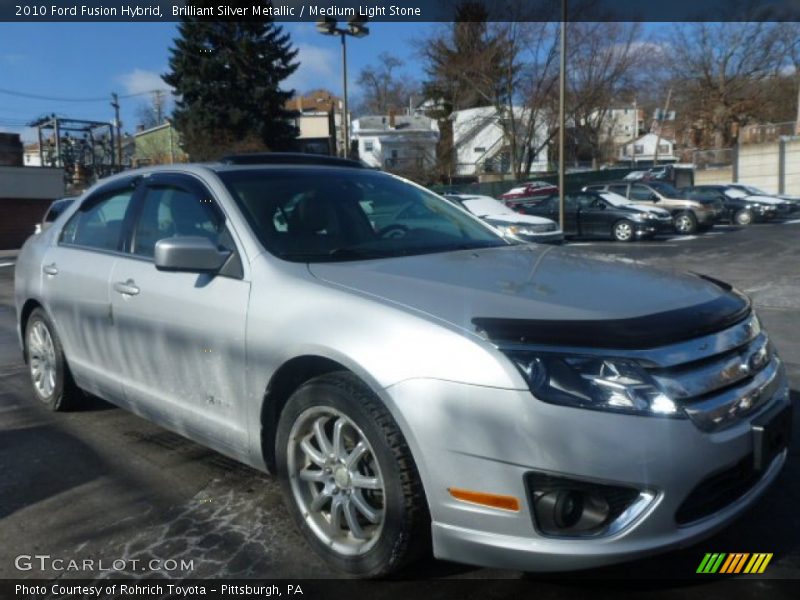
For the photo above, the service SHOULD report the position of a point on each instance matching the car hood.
(517, 219)
(534, 285)
(765, 199)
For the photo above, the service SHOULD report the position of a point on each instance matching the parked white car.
(513, 225)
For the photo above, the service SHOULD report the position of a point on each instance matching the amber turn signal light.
(492, 500)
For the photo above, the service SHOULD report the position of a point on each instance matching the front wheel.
(348, 477)
(623, 231)
(52, 382)
(686, 223)
(743, 217)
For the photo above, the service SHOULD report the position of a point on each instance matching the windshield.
(754, 191)
(664, 189)
(323, 215)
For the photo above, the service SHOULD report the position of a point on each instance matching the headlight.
(526, 229)
(650, 216)
(609, 384)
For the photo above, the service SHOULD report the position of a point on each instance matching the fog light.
(569, 508)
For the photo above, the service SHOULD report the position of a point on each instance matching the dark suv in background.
(739, 210)
(688, 215)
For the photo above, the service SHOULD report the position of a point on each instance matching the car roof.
(290, 158)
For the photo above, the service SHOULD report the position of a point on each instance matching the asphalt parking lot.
(101, 483)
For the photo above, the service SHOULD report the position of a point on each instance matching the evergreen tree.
(227, 75)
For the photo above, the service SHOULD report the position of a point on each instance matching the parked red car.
(529, 191)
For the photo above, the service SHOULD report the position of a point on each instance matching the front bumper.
(647, 228)
(487, 439)
(550, 237)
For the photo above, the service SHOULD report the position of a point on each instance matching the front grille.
(720, 389)
(718, 491)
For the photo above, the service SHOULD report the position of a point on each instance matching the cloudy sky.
(71, 68)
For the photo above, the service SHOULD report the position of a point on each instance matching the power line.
(57, 99)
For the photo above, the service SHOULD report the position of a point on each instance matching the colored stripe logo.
(735, 562)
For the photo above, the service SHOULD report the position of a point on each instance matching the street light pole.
(345, 123)
(356, 28)
(562, 90)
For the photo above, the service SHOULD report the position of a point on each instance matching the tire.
(50, 377)
(743, 217)
(382, 482)
(685, 223)
(623, 231)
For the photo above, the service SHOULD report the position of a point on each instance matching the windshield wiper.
(356, 252)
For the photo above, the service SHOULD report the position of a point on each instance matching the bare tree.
(384, 88)
(720, 70)
(600, 63)
(152, 113)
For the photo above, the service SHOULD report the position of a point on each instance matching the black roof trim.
(290, 158)
(638, 333)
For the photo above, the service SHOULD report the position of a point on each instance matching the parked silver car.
(515, 406)
(53, 211)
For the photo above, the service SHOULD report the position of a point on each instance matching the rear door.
(183, 333)
(76, 272)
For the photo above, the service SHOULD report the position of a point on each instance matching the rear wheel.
(52, 382)
(348, 477)
(685, 223)
(623, 231)
(743, 217)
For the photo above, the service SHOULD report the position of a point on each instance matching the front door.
(184, 332)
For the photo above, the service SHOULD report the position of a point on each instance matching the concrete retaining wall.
(758, 165)
(713, 176)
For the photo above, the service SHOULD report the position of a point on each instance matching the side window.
(169, 211)
(571, 202)
(641, 193)
(622, 190)
(98, 223)
(586, 201)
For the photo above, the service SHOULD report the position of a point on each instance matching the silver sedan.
(413, 384)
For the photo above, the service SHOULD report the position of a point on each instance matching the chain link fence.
(771, 132)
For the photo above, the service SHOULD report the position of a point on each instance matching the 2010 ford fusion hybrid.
(415, 383)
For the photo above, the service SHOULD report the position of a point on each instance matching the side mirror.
(654, 198)
(193, 254)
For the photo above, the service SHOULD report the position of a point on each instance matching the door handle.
(50, 269)
(128, 288)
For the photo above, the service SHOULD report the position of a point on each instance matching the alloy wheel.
(336, 481)
(623, 231)
(42, 359)
(684, 224)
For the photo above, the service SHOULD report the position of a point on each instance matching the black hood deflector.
(649, 331)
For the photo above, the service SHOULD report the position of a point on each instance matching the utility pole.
(635, 133)
(115, 105)
(797, 123)
(158, 104)
(660, 124)
(562, 90)
(345, 124)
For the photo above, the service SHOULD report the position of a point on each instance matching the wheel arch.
(25, 313)
(284, 381)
